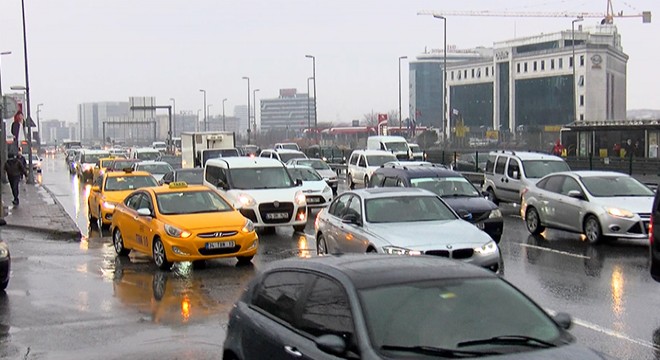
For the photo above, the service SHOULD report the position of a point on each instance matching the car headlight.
(245, 200)
(620, 212)
(176, 232)
(324, 158)
(4, 250)
(487, 249)
(395, 250)
(497, 213)
(327, 189)
(300, 198)
(108, 205)
(248, 227)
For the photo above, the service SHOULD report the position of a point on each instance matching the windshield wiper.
(438, 351)
(509, 340)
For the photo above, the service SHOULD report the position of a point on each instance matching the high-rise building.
(91, 117)
(241, 112)
(290, 111)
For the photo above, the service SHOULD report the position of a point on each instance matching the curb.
(57, 234)
(63, 233)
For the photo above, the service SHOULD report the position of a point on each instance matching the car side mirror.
(564, 320)
(331, 344)
(577, 194)
(144, 212)
(350, 219)
(222, 185)
(96, 188)
(464, 214)
(299, 182)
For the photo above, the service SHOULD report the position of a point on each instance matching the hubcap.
(592, 230)
(159, 253)
(320, 247)
(119, 242)
(532, 220)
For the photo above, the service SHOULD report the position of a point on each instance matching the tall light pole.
(208, 113)
(254, 113)
(197, 123)
(309, 112)
(3, 136)
(39, 128)
(248, 108)
(445, 123)
(224, 126)
(173, 118)
(400, 117)
(314, 76)
(28, 120)
(575, 117)
(205, 113)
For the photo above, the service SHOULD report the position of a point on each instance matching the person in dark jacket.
(15, 170)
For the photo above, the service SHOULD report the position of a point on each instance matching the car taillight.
(651, 231)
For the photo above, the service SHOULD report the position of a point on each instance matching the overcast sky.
(107, 50)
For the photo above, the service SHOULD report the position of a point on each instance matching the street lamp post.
(445, 123)
(224, 126)
(309, 113)
(248, 108)
(197, 123)
(314, 76)
(208, 113)
(575, 117)
(39, 128)
(400, 117)
(205, 113)
(28, 120)
(173, 118)
(254, 113)
(3, 136)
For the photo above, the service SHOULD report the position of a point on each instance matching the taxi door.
(126, 220)
(145, 225)
(95, 197)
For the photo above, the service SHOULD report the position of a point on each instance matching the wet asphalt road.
(82, 303)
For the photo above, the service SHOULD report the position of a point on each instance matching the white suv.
(363, 163)
(283, 155)
(261, 189)
(508, 173)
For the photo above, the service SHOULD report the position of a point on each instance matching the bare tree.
(370, 119)
(393, 118)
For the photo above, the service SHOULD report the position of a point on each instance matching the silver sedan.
(598, 204)
(402, 221)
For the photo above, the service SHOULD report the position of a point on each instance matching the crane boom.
(529, 14)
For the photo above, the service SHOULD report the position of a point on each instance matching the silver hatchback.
(402, 221)
(598, 204)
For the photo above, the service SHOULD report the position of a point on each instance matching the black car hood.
(470, 204)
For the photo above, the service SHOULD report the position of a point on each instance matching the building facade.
(289, 112)
(91, 117)
(55, 131)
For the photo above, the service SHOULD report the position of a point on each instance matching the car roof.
(418, 171)
(371, 270)
(245, 162)
(527, 155)
(125, 174)
(146, 149)
(189, 170)
(94, 151)
(166, 189)
(591, 173)
(285, 151)
(152, 162)
(373, 152)
(383, 192)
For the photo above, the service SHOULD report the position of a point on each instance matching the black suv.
(654, 237)
(457, 191)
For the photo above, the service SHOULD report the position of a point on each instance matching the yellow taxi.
(102, 164)
(110, 189)
(182, 223)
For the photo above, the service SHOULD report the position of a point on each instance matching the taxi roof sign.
(178, 185)
(128, 170)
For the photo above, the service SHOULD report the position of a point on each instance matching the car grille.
(249, 213)
(205, 251)
(217, 234)
(636, 229)
(270, 208)
(315, 200)
(454, 254)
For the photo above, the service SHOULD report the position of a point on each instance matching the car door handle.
(292, 351)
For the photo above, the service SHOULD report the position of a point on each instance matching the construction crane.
(607, 18)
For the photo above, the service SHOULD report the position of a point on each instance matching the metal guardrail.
(476, 178)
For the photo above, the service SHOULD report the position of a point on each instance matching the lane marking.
(555, 251)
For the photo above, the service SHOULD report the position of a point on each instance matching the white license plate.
(220, 245)
(313, 200)
(277, 216)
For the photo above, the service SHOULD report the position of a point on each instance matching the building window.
(561, 63)
(552, 64)
(518, 68)
(473, 73)
(581, 117)
(525, 67)
(581, 60)
(581, 100)
(452, 75)
(570, 62)
(479, 73)
(486, 71)
(542, 65)
(535, 66)
(581, 80)
(459, 75)
(465, 73)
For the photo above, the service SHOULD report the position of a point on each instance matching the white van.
(261, 189)
(159, 145)
(363, 163)
(145, 154)
(397, 145)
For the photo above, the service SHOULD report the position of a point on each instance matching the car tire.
(321, 245)
(492, 197)
(533, 221)
(299, 228)
(118, 244)
(371, 251)
(244, 260)
(160, 255)
(592, 230)
(349, 181)
(99, 219)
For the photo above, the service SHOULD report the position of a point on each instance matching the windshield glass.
(284, 157)
(615, 186)
(192, 177)
(120, 165)
(92, 158)
(449, 186)
(304, 174)
(155, 168)
(414, 148)
(316, 164)
(219, 153)
(129, 183)
(191, 202)
(289, 146)
(151, 155)
(414, 313)
(378, 160)
(397, 146)
(535, 169)
(260, 178)
(407, 209)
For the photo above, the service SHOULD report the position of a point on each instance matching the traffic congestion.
(402, 218)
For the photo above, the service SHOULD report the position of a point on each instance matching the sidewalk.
(39, 212)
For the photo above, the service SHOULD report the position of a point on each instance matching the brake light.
(651, 231)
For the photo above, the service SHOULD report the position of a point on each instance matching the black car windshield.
(304, 174)
(193, 177)
(607, 186)
(415, 313)
(260, 178)
(121, 183)
(536, 169)
(407, 209)
(284, 157)
(378, 160)
(316, 164)
(448, 186)
(191, 202)
(155, 168)
(150, 155)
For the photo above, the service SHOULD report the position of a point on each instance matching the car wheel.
(533, 221)
(160, 256)
(366, 182)
(299, 228)
(118, 242)
(492, 197)
(592, 230)
(243, 260)
(321, 245)
(349, 181)
(371, 251)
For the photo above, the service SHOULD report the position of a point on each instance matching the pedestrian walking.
(15, 170)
